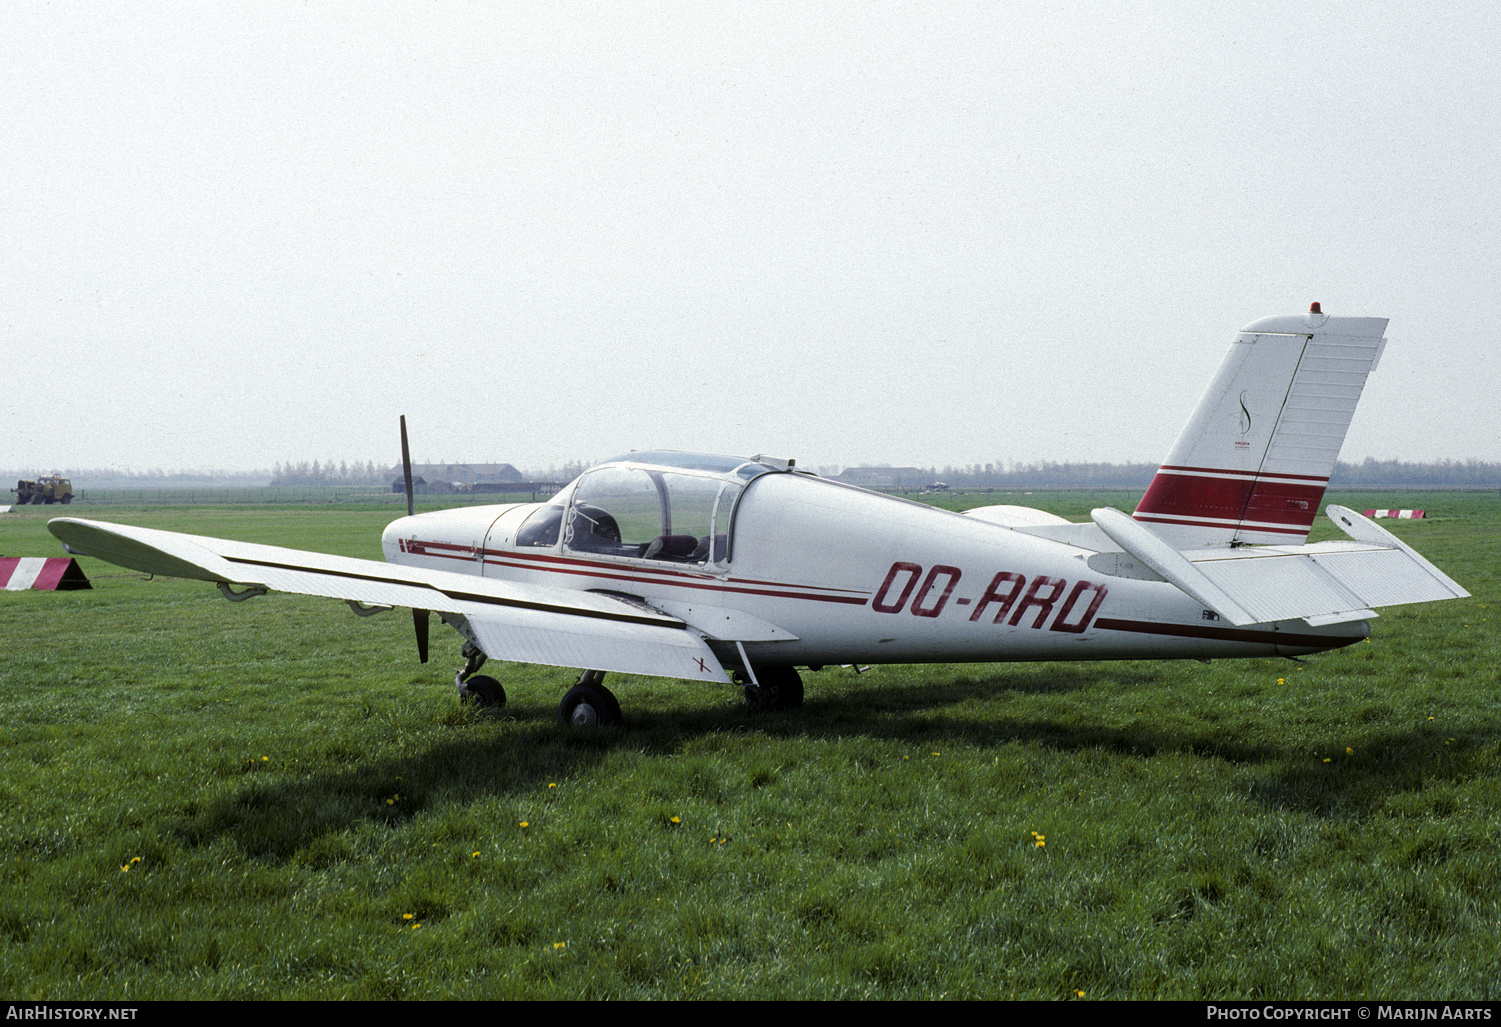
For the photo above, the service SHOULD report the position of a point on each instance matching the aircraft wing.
(511, 621)
(1323, 583)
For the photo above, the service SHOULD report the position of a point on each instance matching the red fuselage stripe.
(611, 572)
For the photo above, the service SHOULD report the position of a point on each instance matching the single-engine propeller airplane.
(696, 566)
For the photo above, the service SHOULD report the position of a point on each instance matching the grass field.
(275, 800)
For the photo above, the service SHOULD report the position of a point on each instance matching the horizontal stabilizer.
(523, 623)
(1323, 583)
(1137, 539)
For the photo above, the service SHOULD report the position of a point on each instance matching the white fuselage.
(819, 572)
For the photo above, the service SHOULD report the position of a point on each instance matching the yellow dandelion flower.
(1078, 993)
(552, 784)
(265, 759)
(526, 823)
(674, 820)
(1326, 759)
(560, 945)
(475, 856)
(136, 860)
(415, 926)
(1349, 751)
(390, 802)
(408, 916)
(125, 868)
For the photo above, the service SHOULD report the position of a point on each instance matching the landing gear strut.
(589, 703)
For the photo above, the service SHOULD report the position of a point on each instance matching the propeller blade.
(420, 619)
(406, 470)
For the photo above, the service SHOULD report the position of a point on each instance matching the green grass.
(294, 784)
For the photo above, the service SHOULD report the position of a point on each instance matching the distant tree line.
(1046, 473)
(118, 478)
(330, 473)
(1475, 474)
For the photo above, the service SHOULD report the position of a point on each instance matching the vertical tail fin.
(1253, 461)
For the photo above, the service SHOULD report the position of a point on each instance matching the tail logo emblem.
(1245, 415)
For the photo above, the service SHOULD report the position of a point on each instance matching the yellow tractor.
(55, 489)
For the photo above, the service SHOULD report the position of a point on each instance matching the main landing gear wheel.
(590, 704)
(486, 691)
(780, 688)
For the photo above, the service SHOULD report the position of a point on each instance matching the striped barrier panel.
(1404, 514)
(45, 573)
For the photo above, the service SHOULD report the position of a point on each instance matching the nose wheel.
(589, 703)
(486, 691)
(481, 688)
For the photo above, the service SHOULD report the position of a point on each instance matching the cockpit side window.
(616, 510)
(652, 514)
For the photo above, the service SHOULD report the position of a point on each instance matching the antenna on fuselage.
(420, 618)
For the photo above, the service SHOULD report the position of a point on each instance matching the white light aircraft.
(697, 567)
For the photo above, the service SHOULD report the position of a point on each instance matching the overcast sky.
(233, 234)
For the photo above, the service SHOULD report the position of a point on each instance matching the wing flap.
(526, 637)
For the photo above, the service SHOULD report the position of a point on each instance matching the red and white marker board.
(45, 573)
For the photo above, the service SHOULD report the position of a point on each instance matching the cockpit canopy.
(659, 505)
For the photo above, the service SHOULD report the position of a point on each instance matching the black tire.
(781, 688)
(589, 706)
(67, 499)
(486, 691)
